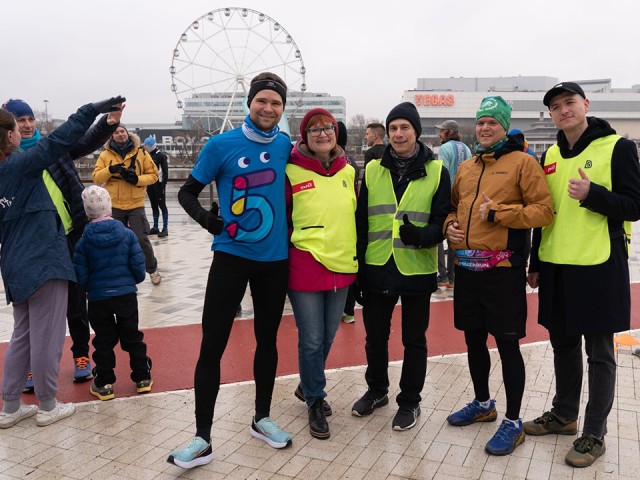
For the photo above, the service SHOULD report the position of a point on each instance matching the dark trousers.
(350, 303)
(136, 220)
(77, 317)
(415, 320)
(226, 286)
(513, 370)
(116, 319)
(567, 361)
(158, 202)
(445, 267)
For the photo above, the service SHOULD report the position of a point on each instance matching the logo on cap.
(489, 104)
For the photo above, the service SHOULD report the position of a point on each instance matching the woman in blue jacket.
(35, 265)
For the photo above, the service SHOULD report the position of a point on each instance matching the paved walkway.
(130, 438)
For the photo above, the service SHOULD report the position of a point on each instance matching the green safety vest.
(577, 235)
(323, 217)
(386, 217)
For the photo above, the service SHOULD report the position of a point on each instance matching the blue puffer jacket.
(33, 245)
(108, 260)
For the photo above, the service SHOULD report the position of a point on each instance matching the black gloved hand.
(211, 220)
(108, 105)
(113, 169)
(409, 233)
(360, 290)
(129, 176)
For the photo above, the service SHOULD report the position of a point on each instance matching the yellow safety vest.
(323, 217)
(577, 235)
(386, 216)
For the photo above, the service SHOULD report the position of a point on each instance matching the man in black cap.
(452, 153)
(403, 201)
(580, 263)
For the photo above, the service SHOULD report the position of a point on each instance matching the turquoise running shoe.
(196, 453)
(268, 431)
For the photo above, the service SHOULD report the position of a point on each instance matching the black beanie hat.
(409, 112)
(342, 135)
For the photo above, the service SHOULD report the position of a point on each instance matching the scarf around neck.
(497, 146)
(27, 143)
(255, 134)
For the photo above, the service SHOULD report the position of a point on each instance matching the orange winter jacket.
(520, 200)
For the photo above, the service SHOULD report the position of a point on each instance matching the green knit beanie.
(497, 108)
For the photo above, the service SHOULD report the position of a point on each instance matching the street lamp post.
(46, 114)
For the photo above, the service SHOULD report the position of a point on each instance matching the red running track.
(174, 350)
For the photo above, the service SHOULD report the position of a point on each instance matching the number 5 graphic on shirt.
(256, 211)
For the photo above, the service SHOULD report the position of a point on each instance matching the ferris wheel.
(215, 59)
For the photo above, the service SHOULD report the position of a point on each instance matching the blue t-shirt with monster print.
(250, 179)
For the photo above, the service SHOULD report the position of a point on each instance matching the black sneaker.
(368, 403)
(318, 426)
(326, 408)
(406, 418)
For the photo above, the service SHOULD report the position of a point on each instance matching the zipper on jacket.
(474, 201)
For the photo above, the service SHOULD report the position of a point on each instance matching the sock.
(11, 406)
(515, 423)
(48, 404)
(485, 404)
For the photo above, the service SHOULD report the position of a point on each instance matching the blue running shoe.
(82, 369)
(197, 453)
(506, 439)
(267, 430)
(472, 413)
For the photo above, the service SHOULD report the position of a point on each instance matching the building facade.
(440, 99)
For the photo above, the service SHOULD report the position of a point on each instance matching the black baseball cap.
(562, 87)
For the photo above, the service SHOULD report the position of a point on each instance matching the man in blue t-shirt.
(452, 153)
(250, 244)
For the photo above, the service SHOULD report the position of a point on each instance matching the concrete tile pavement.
(130, 438)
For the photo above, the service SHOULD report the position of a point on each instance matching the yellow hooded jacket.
(126, 196)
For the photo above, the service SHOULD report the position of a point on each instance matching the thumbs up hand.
(409, 233)
(579, 187)
(485, 206)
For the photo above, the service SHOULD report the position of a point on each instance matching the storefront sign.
(434, 100)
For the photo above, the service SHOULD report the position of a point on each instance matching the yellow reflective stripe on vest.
(386, 217)
(577, 235)
(329, 232)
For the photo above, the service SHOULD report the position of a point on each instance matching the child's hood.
(105, 233)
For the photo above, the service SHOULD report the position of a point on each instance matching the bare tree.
(358, 127)
(44, 122)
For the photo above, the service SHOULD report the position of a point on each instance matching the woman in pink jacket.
(321, 204)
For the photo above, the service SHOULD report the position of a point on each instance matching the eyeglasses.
(327, 129)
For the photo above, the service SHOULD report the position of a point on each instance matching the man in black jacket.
(580, 262)
(403, 201)
(64, 184)
(157, 191)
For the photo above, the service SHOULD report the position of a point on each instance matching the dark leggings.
(226, 286)
(513, 372)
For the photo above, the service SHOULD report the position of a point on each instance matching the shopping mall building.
(440, 99)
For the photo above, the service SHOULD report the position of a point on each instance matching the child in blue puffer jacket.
(109, 263)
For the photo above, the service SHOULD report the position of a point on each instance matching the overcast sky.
(74, 51)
